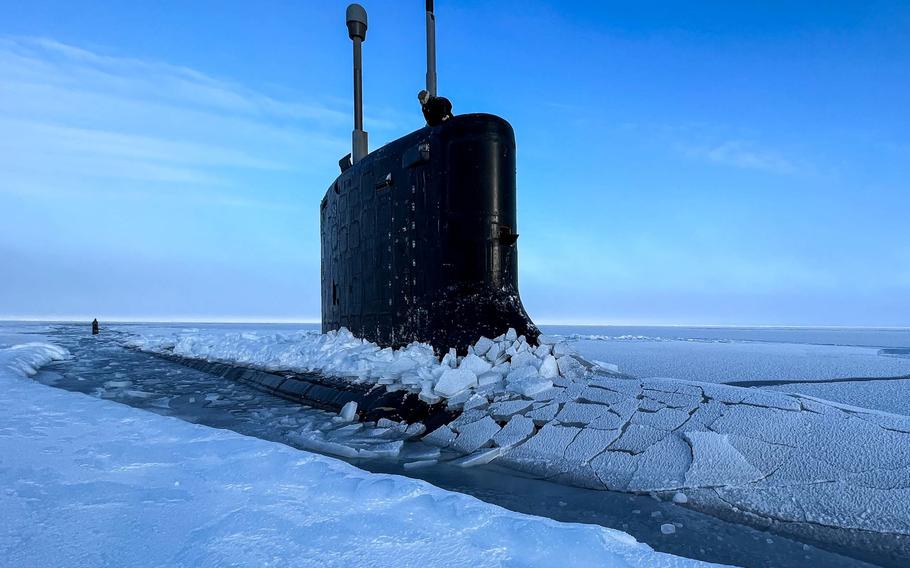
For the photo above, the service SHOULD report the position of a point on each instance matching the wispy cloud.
(70, 116)
(743, 154)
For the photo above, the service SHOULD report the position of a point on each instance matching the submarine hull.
(419, 239)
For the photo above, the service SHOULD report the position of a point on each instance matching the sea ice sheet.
(92, 482)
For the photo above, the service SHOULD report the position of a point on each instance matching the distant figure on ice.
(95, 327)
(435, 109)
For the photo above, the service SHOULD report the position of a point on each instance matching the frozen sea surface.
(735, 451)
(742, 354)
(87, 482)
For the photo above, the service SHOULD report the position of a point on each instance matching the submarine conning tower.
(419, 237)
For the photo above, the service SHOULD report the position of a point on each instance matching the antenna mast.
(431, 49)
(357, 30)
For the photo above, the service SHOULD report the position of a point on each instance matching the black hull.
(419, 239)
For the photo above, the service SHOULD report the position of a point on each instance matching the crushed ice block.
(609, 367)
(543, 414)
(488, 378)
(420, 464)
(530, 386)
(475, 401)
(442, 437)
(480, 457)
(475, 364)
(521, 373)
(427, 395)
(562, 348)
(482, 346)
(459, 399)
(476, 434)
(543, 350)
(383, 449)
(570, 367)
(453, 381)
(549, 369)
(518, 429)
(348, 411)
(415, 429)
(507, 408)
(525, 359)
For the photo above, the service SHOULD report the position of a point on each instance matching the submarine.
(419, 238)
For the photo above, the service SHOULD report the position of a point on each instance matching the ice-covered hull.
(419, 239)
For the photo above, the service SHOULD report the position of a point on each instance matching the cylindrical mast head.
(356, 18)
(431, 49)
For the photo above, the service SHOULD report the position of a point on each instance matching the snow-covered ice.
(91, 482)
(703, 356)
(803, 465)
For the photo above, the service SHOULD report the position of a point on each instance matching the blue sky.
(678, 162)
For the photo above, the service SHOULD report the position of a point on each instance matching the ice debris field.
(797, 463)
(89, 482)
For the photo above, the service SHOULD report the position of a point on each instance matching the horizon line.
(239, 320)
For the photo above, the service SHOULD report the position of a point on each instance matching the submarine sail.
(419, 237)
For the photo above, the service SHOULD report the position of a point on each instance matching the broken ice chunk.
(511, 335)
(608, 367)
(420, 464)
(458, 399)
(426, 395)
(549, 368)
(515, 432)
(476, 434)
(450, 359)
(543, 414)
(488, 378)
(525, 359)
(716, 463)
(507, 408)
(570, 367)
(494, 353)
(475, 364)
(475, 401)
(521, 373)
(482, 346)
(479, 457)
(348, 411)
(380, 450)
(581, 413)
(442, 437)
(530, 386)
(543, 350)
(453, 381)
(415, 429)
(562, 348)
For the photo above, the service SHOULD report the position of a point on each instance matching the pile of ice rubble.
(507, 364)
(99, 483)
(801, 464)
